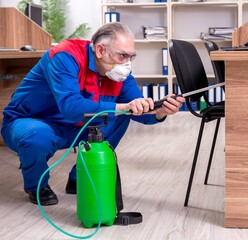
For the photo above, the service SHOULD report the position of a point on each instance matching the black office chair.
(219, 72)
(218, 66)
(191, 76)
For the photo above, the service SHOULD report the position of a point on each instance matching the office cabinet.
(184, 20)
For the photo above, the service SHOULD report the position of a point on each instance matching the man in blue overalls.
(71, 79)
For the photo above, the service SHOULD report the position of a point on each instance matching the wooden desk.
(21, 54)
(236, 110)
(16, 64)
(13, 67)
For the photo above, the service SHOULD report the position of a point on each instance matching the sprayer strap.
(124, 218)
(127, 218)
(119, 201)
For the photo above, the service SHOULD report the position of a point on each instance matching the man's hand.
(137, 106)
(169, 107)
(145, 105)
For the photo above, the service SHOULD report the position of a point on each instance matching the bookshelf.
(184, 20)
(147, 67)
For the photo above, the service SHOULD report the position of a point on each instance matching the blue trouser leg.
(113, 133)
(36, 142)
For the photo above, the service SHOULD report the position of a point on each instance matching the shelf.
(150, 76)
(196, 40)
(151, 41)
(143, 5)
(208, 76)
(220, 3)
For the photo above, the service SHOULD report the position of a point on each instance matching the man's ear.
(100, 50)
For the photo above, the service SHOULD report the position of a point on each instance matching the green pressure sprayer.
(99, 195)
(101, 163)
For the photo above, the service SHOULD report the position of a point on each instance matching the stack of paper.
(206, 36)
(116, 1)
(221, 30)
(157, 32)
(218, 33)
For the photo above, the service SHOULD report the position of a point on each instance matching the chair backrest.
(188, 68)
(218, 66)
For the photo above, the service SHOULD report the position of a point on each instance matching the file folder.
(163, 90)
(112, 17)
(202, 104)
(218, 94)
(211, 95)
(194, 106)
(177, 91)
(155, 92)
(146, 90)
(165, 61)
(223, 95)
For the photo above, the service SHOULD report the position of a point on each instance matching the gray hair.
(108, 33)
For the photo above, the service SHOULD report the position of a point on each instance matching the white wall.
(79, 11)
(84, 11)
(8, 3)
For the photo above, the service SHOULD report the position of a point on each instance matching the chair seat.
(214, 112)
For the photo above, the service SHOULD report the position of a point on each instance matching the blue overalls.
(46, 110)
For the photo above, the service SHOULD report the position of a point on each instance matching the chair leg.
(212, 151)
(194, 163)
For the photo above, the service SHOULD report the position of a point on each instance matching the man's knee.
(36, 146)
(38, 141)
(30, 135)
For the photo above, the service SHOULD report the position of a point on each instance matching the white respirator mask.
(119, 72)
